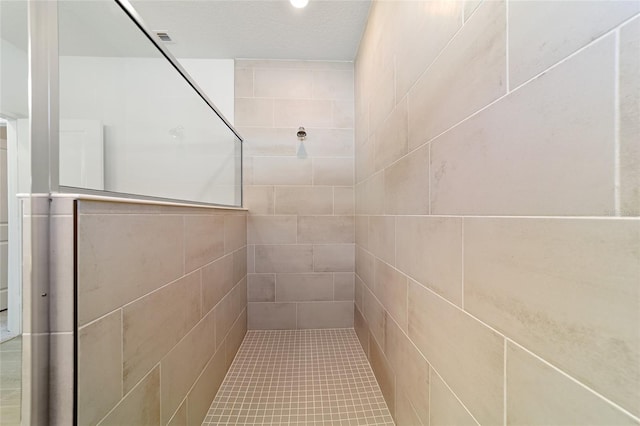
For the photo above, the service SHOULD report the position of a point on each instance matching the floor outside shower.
(319, 377)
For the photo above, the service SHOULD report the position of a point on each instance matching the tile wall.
(161, 309)
(300, 197)
(497, 210)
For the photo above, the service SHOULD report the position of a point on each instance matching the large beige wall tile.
(629, 121)
(568, 26)
(406, 184)
(182, 366)
(412, 371)
(333, 84)
(446, 409)
(325, 315)
(155, 323)
(205, 388)
(239, 264)
(343, 286)
(405, 415)
(261, 288)
(122, 257)
(254, 112)
(343, 114)
(391, 139)
(306, 113)
(364, 159)
(326, 229)
(467, 354)
(384, 374)
(272, 229)
(429, 250)
(180, 416)
(343, 200)
(328, 142)
(271, 316)
(470, 6)
(498, 162)
(365, 266)
(243, 82)
(141, 406)
(426, 27)
(259, 199)
(282, 83)
(468, 75)
(284, 258)
(359, 293)
(267, 141)
(391, 289)
(362, 231)
(235, 232)
(375, 315)
(304, 200)
(385, 96)
(382, 238)
(567, 289)
(370, 195)
(333, 258)
(204, 240)
(99, 368)
(229, 310)
(281, 171)
(539, 394)
(362, 330)
(304, 287)
(217, 280)
(333, 171)
(235, 337)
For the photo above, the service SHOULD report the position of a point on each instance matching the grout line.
(477, 216)
(518, 87)
(576, 381)
(616, 146)
(431, 368)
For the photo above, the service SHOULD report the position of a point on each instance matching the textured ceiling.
(324, 30)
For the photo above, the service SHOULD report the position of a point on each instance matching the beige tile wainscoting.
(162, 310)
(497, 203)
(300, 196)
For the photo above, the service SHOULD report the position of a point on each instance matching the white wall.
(140, 101)
(13, 80)
(216, 78)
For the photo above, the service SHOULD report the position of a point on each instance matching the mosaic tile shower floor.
(300, 377)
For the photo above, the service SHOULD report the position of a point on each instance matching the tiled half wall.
(300, 197)
(161, 310)
(497, 204)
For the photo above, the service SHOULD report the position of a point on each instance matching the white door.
(81, 154)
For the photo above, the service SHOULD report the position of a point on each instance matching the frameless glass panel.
(129, 122)
(15, 178)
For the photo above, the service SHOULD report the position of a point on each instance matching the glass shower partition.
(132, 121)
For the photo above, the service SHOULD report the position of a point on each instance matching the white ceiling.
(273, 29)
(220, 29)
